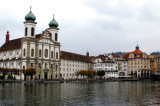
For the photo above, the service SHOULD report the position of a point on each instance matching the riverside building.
(41, 51)
(120, 65)
(138, 63)
(103, 62)
(72, 62)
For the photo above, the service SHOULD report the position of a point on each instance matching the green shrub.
(2, 77)
(10, 77)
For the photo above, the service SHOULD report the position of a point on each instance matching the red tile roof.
(73, 56)
(11, 45)
(38, 36)
(135, 52)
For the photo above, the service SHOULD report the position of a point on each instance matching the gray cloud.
(111, 28)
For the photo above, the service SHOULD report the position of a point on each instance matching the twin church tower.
(41, 51)
(30, 26)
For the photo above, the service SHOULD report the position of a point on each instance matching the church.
(41, 51)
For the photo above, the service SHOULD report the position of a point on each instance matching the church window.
(50, 35)
(40, 51)
(31, 64)
(52, 66)
(24, 52)
(51, 54)
(26, 29)
(32, 31)
(45, 65)
(55, 36)
(39, 65)
(32, 52)
(23, 68)
(56, 67)
(46, 53)
(56, 55)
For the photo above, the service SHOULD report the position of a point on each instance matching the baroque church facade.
(41, 51)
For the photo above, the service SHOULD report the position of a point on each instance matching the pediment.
(46, 34)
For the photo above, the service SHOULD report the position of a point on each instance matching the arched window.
(32, 52)
(51, 54)
(26, 30)
(55, 36)
(56, 55)
(46, 53)
(40, 51)
(24, 52)
(32, 31)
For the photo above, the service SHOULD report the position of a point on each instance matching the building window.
(26, 29)
(39, 65)
(32, 31)
(31, 64)
(46, 65)
(23, 67)
(51, 54)
(32, 52)
(56, 67)
(24, 52)
(46, 53)
(50, 35)
(56, 55)
(51, 66)
(40, 51)
(55, 36)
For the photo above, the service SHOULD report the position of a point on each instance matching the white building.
(103, 62)
(71, 63)
(121, 65)
(41, 51)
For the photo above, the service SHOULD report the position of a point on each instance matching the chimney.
(7, 36)
(87, 53)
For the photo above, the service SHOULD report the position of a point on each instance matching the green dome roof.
(30, 16)
(53, 23)
(137, 47)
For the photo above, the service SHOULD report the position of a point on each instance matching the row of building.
(42, 51)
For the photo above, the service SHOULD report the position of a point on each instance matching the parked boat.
(155, 75)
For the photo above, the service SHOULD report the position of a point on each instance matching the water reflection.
(86, 94)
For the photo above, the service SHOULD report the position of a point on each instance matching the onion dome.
(137, 47)
(53, 23)
(30, 16)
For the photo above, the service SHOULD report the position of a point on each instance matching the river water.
(135, 93)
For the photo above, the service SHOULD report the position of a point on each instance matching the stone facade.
(71, 63)
(40, 51)
(138, 63)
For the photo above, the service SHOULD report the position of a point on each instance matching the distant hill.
(118, 53)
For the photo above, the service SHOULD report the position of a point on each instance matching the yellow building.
(153, 61)
(138, 63)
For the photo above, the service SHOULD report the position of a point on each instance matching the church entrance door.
(45, 75)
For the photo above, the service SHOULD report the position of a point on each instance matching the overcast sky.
(99, 26)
